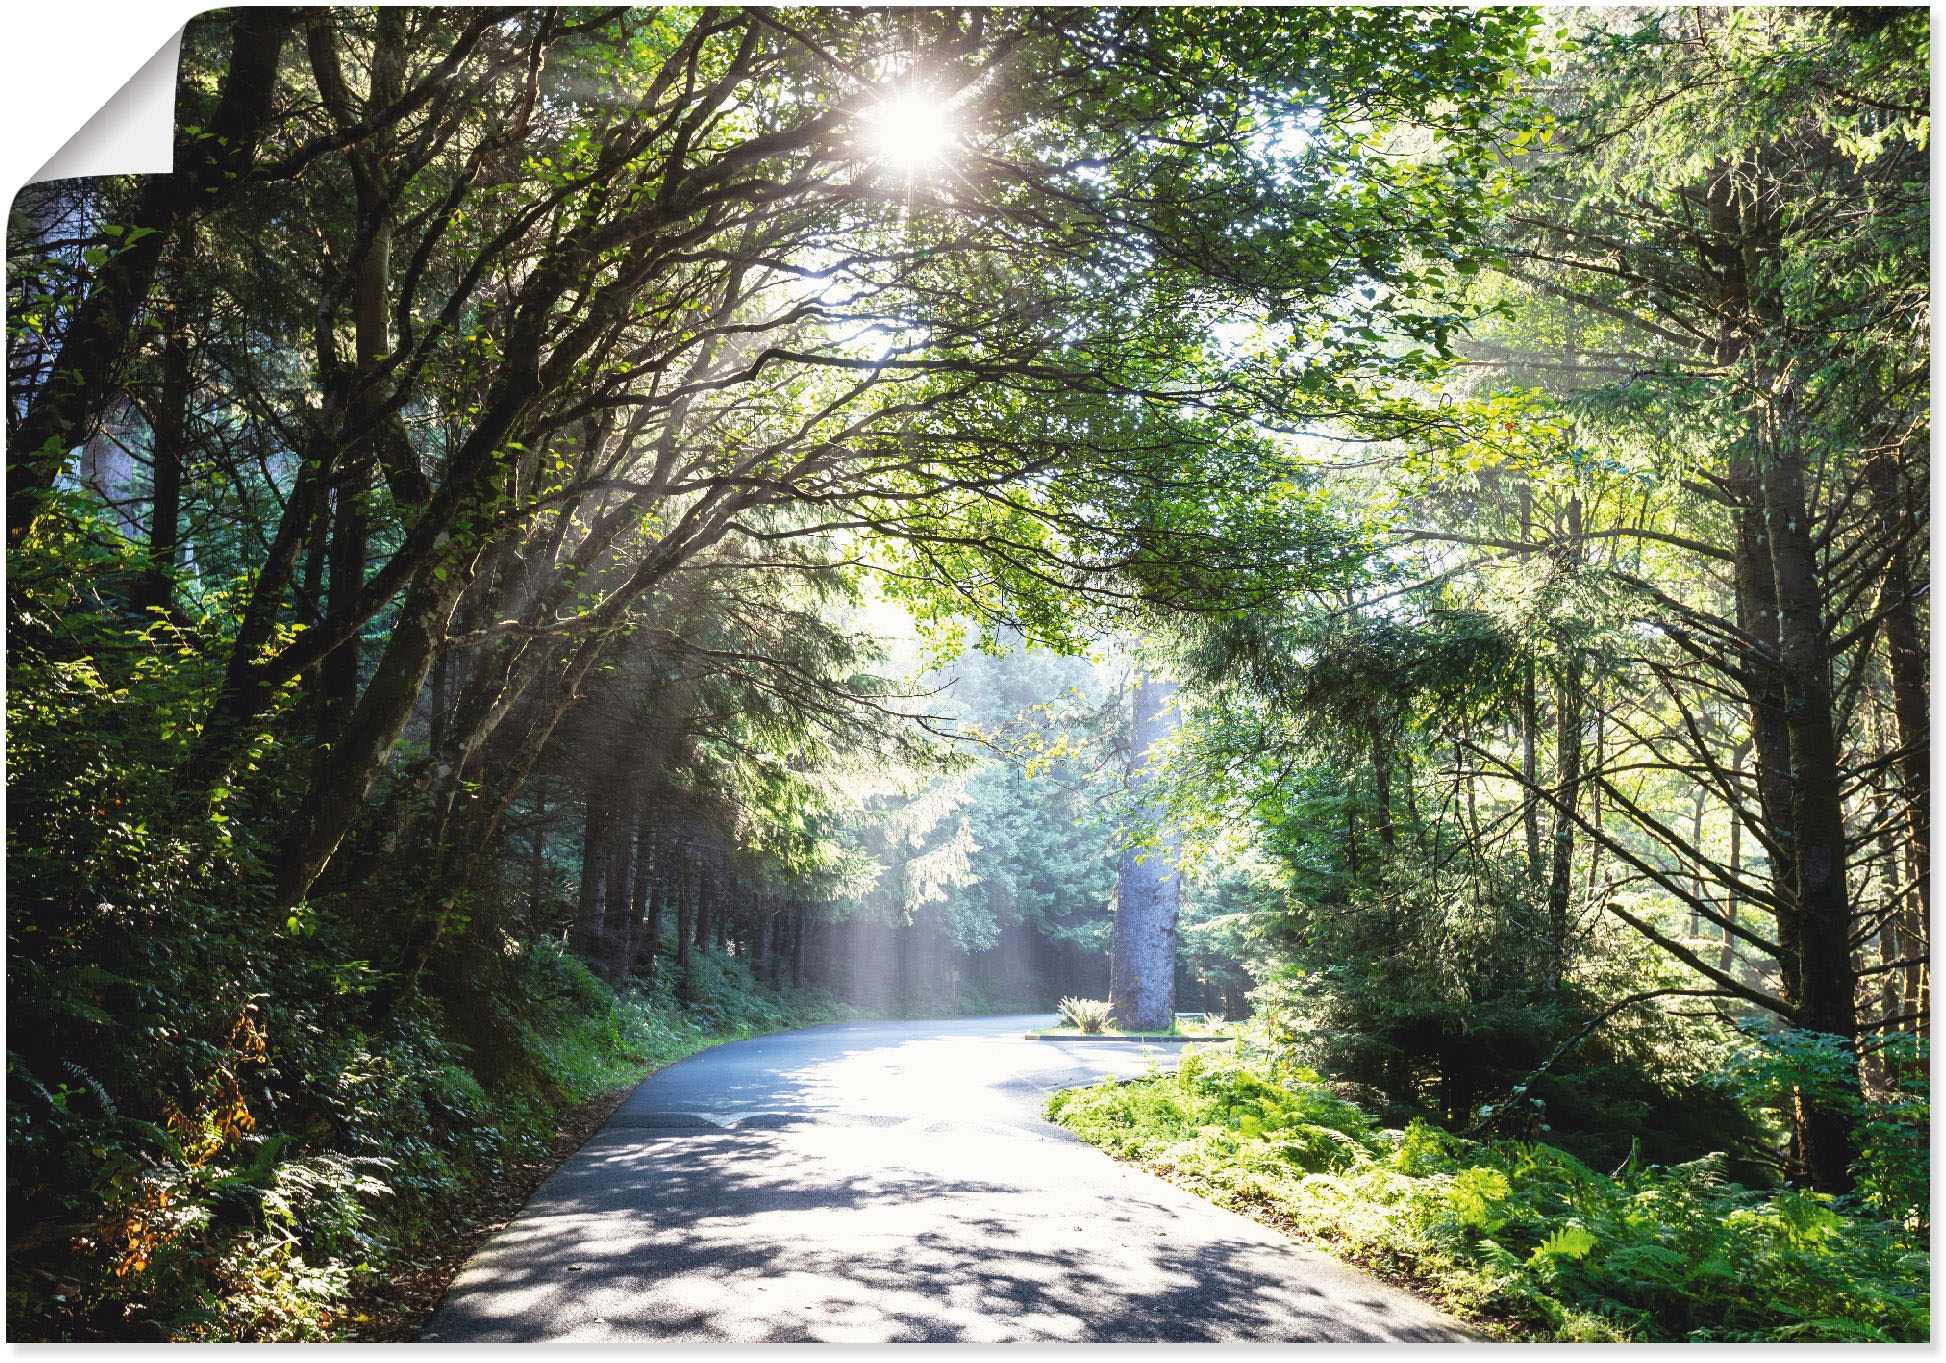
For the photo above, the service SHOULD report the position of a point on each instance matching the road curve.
(893, 1182)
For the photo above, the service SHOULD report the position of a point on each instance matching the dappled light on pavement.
(955, 1216)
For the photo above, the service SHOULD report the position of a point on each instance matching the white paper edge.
(133, 133)
(61, 60)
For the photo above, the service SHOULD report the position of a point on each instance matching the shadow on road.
(850, 1234)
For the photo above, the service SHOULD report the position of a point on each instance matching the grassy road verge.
(1520, 1238)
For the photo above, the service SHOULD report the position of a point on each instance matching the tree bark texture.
(1828, 981)
(1567, 773)
(1142, 960)
(687, 896)
(1905, 662)
(170, 420)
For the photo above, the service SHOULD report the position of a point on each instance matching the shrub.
(1092, 1016)
(237, 1180)
(1519, 1230)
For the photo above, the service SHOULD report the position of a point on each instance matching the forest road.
(885, 1182)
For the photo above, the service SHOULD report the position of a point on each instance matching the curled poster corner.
(133, 133)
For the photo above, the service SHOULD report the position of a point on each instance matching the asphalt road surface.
(885, 1182)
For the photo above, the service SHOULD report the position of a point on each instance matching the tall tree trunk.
(1905, 665)
(688, 895)
(589, 919)
(371, 340)
(350, 536)
(800, 945)
(1734, 250)
(1728, 960)
(620, 907)
(1828, 981)
(1567, 760)
(647, 910)
(766, 942)
(1142, 960)
(706, 894)
(1567, 776)
(1756, 591)
(1780, 597)
(157, 591)
(1530, 719)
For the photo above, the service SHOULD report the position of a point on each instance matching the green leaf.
(1567, 1242)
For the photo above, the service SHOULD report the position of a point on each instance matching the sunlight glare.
(911, 131)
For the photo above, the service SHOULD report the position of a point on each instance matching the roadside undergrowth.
(335, 1178)
(1519, 1237)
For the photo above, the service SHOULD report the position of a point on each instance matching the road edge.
(1492, 1329)
(393, 1304)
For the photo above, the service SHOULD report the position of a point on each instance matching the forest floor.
(393, 1307)
(1520, 1238)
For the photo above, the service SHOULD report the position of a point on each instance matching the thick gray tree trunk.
(1142, 961)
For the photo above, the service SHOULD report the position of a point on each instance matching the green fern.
(1520, 1230)
(1091, 1016)
(1567, 1242)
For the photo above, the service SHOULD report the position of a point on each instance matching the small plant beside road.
(1090, 1016)
(1096, 1018)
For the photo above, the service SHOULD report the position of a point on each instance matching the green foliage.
(1518, 1231)
(1772, 1070)
(734, 1003)
(314, 1147)
(1089, 1015)
(1306, 1123)
(1043, 853)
